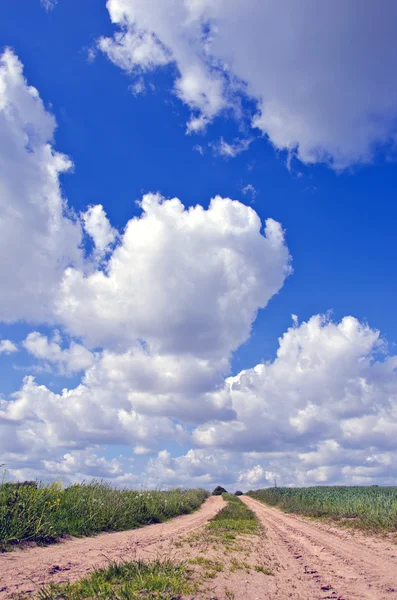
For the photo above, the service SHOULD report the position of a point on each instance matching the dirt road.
(299, 559)
(319, 561)
(27, 570)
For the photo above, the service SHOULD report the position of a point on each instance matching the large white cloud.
(38, 240)
(183, 280)
(324, 80)
(330, 392)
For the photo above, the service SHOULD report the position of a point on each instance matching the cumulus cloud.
(7, 347)
(38, 236)
(70, 360)
(323, 81)
(196, 468)
(331, 391)
(98, 227)
(184, 280)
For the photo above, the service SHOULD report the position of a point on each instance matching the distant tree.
(219, 490)
(238, 493)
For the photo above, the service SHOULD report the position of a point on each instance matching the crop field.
(42, 513)
(364, 507)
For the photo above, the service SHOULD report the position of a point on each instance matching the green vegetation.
(234, 519)
(211, 568)
(44, 513)
(137, 580)
(219, 490)
(365, 507)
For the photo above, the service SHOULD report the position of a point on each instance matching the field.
(371, 508)
(44, 513)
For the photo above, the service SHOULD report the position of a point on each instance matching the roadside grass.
(36, 512)
(370, 508)
(137, 580)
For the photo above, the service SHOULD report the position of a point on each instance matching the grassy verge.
(369, 508)
(138, 580)
(44, 513)
(233, 520)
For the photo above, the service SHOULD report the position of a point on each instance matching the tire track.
(333, 563)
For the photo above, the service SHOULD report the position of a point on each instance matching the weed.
(138, 580)
(43, 513)
(262, 569)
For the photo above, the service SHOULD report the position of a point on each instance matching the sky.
(197, 242)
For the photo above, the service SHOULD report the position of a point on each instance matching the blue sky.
(338, 211)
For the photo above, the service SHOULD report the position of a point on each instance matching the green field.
(44, 513)
(365, 507)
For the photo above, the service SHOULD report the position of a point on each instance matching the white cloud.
(7, 347)
(138, 87)
(74, 359)
(141, 450)
(227, 150)
(97, 225)
(49, 4)
(187, 281)
(83, 463)
(323, 80)
(249, 189)
(37, 239)
(199, 149)
(331, 391)
(255, 476)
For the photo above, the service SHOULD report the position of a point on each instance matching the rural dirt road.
(27, 570)
(319, 561)
(299, 559)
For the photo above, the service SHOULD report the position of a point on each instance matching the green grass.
(235, 518)
(160, 580)
(44, 513)
(371, 508)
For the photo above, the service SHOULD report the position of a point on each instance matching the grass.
(369, 508)
(160, 580)
(35, 512)
(234, 519)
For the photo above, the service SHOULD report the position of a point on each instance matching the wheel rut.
(325, 562)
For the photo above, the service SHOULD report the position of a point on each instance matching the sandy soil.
(27, 570)
(316, 560)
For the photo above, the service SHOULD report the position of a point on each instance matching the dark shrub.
(219, 490)
(238, 493)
